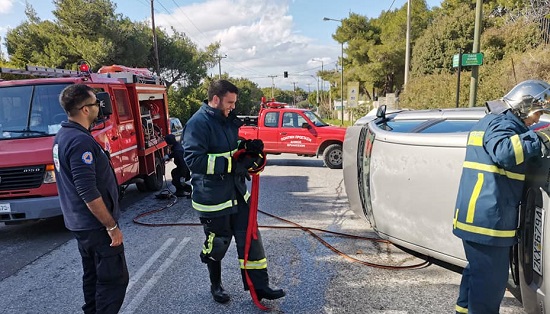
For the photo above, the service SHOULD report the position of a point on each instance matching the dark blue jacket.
(209, 141)
(83, 173)
(493, 176)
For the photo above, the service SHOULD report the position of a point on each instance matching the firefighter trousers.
(220, 230)
(484, 279)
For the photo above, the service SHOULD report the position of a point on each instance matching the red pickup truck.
(296, 131)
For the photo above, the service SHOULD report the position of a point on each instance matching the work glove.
(544, 136)
(255, 146)
(240, 170)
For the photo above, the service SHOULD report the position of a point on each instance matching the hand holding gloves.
(247, 160)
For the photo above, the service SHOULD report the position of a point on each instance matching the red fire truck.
(30, 116)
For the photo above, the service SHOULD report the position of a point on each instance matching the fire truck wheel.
(142, 186)
(154, 181)
(332, 156)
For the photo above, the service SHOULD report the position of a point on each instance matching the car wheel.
(333, 156)
(155, 180)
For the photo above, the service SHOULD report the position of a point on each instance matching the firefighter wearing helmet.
(499, 147)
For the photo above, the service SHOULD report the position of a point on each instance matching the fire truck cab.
(30, 116)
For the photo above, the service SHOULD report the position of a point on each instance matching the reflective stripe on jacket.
(492, 181)
(209, 142)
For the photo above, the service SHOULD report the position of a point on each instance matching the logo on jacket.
(87, 158)
(55, 152)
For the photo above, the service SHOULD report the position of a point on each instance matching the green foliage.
(434, 50)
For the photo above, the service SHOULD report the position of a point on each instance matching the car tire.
(332, 156)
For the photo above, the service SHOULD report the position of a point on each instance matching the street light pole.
(342, 73)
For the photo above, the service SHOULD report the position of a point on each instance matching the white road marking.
(135, 278)
(140, 296)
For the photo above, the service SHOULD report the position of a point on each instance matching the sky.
(260, 39)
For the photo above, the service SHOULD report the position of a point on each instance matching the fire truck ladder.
(40, 71)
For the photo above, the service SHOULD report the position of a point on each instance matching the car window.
(450, 126)
(400, 125)
(271, 119)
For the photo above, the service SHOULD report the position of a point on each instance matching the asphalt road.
(40, 266)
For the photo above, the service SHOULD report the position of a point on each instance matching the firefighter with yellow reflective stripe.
(219, 192)
(498, 149)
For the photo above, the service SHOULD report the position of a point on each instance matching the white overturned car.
(401, 173)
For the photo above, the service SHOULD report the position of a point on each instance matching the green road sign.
(469, 59)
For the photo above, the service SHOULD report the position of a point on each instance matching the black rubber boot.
(270, 294)
(218, 293)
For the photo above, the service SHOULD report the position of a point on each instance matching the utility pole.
(220, 57)
(475, 69)
(323, 82)
(342, 73)
(408, 44)
(342, 83)
(272, 84)
(155, 43)
(294, 97)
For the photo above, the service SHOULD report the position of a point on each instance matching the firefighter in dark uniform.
(181, 170)
(220, 194)
(88, 194)
(498, 149)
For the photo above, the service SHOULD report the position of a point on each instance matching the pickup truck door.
(269, 131)
(294, 138)
(127, 155)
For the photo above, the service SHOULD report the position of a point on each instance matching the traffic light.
(285, 74)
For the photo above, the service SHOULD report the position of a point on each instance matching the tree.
(434, 50)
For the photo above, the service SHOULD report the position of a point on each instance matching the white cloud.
(256, 35)
(5, 6)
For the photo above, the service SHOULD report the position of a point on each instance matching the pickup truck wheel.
(333, 156)
(155, 180)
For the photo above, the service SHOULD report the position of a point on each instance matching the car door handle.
(283, 133)
(114, 138)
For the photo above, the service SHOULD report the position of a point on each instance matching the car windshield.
(30, 111)
(314, 118)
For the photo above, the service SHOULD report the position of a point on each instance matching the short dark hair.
(220, 88)
(73, 95)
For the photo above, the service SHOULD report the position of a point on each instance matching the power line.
(190, 21)
(391, 5)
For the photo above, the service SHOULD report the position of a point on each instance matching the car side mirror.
(306, 125)
(381, 112)
(105, 106)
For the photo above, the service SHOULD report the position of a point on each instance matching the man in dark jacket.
(181, 170)
(486, 217)
(88, 194)
(220, 194)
